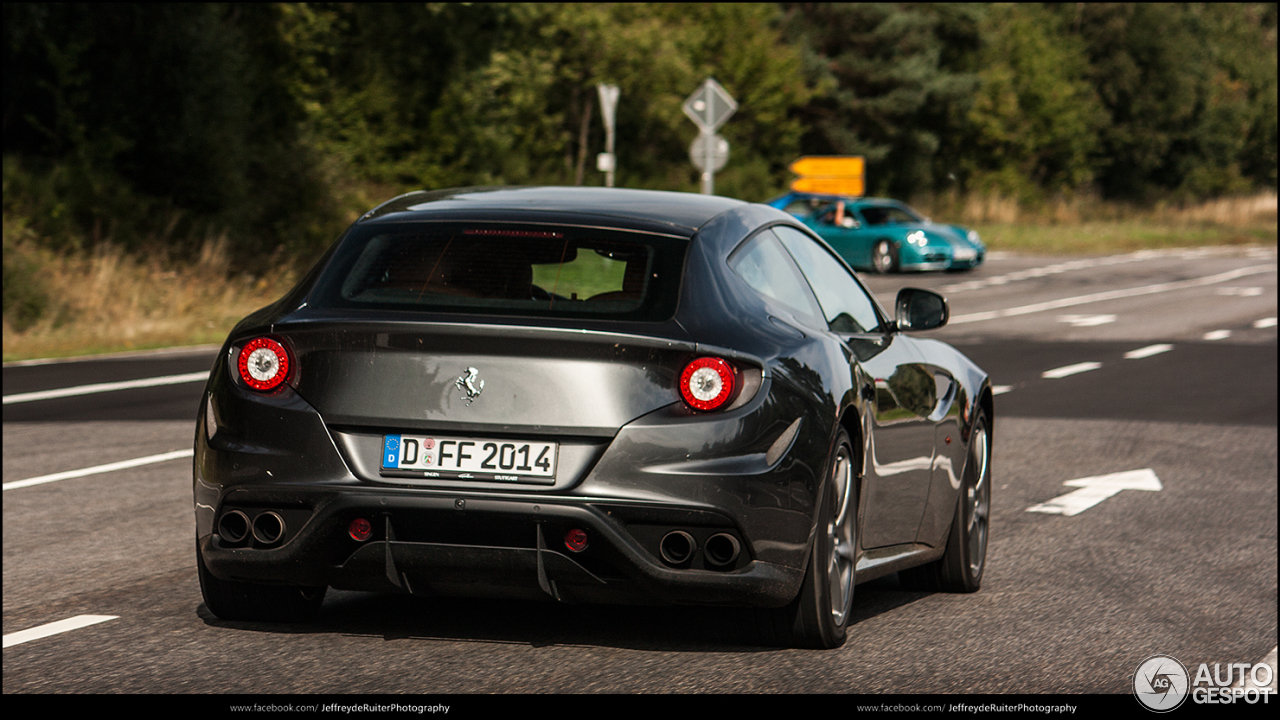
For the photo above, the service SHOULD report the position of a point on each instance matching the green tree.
(1035, 119)
(154, 123)
(896, 80)
(1190, 95)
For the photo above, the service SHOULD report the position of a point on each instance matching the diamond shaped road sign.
(709, 106)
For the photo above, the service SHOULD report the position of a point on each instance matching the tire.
(884, 257)
(819, 615)
(961, 566)
(252, 602)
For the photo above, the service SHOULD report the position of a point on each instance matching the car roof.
(651, 210)
(860, 200)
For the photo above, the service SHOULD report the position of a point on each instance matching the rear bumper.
(445, 544)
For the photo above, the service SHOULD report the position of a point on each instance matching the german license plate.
(469, 458)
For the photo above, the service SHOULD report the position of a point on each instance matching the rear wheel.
(234, 600)
(884, 257)
(960, 568)
(818, 617)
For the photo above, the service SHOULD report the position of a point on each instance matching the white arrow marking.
(1094, 490)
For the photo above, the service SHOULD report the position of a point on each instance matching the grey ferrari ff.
(589, 395)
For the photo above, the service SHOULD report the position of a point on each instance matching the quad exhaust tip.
(677, 547)
(268, 528)
(722, 550)
(233, 527)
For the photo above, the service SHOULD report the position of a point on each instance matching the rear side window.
(767, 268)
(845, 304)
(556, 272)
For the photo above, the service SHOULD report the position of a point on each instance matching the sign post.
(606, 162)
(830, 175)
(709, 107)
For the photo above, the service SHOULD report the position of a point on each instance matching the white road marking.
(1089, 263)
(1112, 295)
(1217, 335)
(128, 354)
(1147, 351)
(105, 387)
(1000, 389)
(1086, 320)
(1241, 291)
(1265, 323)
(1094, 490)
(53, 628)
(97, 469)
(1062, 372)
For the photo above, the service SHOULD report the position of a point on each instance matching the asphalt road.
(1162, 361)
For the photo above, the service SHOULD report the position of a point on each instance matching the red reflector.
(360, 529)
(263, 364)
(576, 540)
(708, 383)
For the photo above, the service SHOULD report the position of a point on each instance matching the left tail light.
(709, 383)
(264, 364)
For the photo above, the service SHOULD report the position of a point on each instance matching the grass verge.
(109, 301)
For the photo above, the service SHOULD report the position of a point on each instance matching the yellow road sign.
(828, 166)
(829, 185)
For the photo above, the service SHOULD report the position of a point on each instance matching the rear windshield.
(553, 272)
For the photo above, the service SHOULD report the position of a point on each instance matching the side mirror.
(918, 309)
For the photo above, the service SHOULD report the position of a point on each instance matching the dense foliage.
(164, 125)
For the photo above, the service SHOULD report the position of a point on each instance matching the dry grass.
(108, 301)
(1083, 224)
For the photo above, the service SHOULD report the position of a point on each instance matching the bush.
(25, 296)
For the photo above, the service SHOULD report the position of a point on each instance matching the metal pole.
(608, 147)
(708, 152)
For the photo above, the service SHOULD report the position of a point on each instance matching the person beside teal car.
(883, 235)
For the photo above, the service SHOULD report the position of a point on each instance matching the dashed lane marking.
(1147, 351)
(1068, 370)
(54, 628)
(1217, 335)
(1112, 295)
(1087, 264)
(1086, 320)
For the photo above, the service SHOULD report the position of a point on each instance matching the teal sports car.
(884, 235)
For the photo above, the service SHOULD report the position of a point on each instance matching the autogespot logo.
(1161, 683)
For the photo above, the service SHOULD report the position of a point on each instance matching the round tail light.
(708, 383)
(263, 363)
